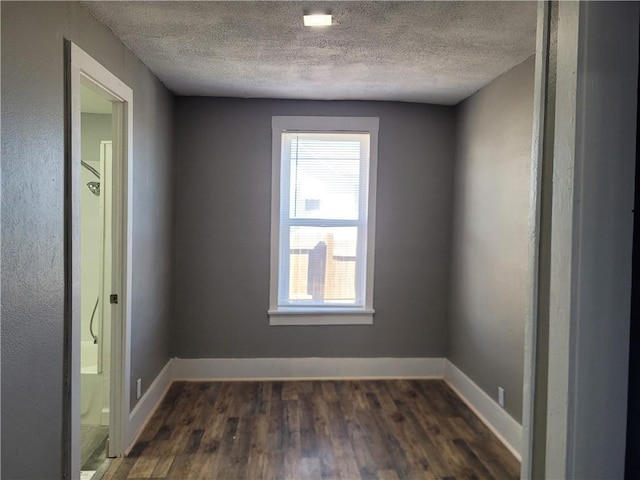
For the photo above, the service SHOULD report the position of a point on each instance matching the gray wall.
(33, 228)
(223, 155)
(601, 181)
(489, 265)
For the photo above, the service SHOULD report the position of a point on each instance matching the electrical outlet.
(138, 388)
(501, 396)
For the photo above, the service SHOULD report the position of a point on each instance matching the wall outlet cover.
(138, 388)
(501, 396)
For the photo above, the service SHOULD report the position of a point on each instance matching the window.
(323, 220)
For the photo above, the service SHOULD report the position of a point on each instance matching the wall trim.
(306, 368)
(82, 69)
(147, 405)
(508, 430)
(503, 425)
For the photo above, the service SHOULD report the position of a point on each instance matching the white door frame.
(535, 195)
(85, 69)
(590, 241)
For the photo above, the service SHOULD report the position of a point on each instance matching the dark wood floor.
(311, 430)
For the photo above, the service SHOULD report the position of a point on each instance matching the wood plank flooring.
(383, 430)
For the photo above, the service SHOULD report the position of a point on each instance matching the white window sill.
(327, 316)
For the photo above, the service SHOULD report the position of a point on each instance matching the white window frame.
(322, 315)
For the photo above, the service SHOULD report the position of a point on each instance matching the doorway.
(95, 275)
(98, 225)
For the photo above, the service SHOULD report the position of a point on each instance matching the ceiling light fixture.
(317, 20)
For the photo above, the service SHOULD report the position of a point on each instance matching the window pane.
(322, 265)
(325, 176)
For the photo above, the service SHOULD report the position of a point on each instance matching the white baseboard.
(503, 425)
(144, 409)
(306, 368)
(508, 430)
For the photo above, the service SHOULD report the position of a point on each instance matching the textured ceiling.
(431, 52)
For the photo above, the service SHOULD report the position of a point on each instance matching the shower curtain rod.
(90, 168)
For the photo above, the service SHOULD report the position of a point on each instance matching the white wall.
(95, 379)
(95, 128)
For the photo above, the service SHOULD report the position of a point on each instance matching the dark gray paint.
(223, 155)
(605, 160)
(489, 267)
(33, 235)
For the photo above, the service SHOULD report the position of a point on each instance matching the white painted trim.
(247, 369)
(86, 70)
(564, 219)
(332, 317)
(72, 216)
(149, 402)
(305, 368)
(1, 250)
(122, 270)
(331, 124)
(535, 198)
(592, 239)
(503, 425)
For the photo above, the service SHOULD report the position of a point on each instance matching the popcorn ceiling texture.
(429, 52)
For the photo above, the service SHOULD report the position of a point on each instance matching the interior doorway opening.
(98, 216)
(96, 259)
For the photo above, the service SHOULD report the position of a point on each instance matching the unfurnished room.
(318, 240)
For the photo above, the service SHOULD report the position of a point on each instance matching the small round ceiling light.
(317, 20)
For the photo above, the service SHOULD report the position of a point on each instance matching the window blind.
(323, 219)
